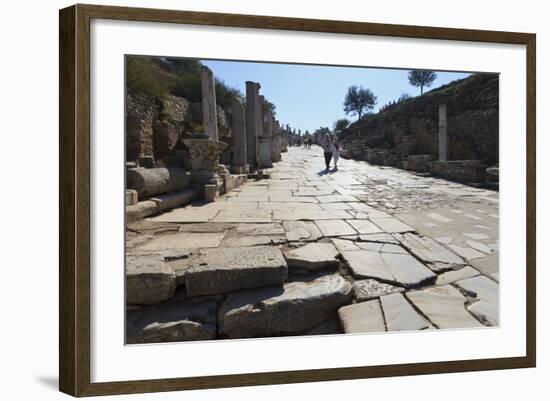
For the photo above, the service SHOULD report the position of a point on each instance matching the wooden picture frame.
(74, 204)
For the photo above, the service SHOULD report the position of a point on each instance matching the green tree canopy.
(341, 124)
(359, 100)
(422, 78)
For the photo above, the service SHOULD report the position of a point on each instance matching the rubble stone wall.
(411, 127)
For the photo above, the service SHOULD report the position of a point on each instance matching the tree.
(422, 78)
(267, 105)
(359, 100)
(341, 124)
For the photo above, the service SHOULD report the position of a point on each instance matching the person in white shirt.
(335, 152)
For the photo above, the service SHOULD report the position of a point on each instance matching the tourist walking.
(327, 150)
(335, 152)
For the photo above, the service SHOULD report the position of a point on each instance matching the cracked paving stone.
(315, 256)
(399, 269)
(444, 306)
(363, 317)
(455, 275)
(426, 249)
(486, 308)
(301, 231)
(400, 315)
(334, 228)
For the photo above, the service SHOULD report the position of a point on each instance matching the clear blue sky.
(308, 97)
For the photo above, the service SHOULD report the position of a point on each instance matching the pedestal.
(205, 153)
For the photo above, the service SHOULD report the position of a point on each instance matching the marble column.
(276, 142)
(204, 148)
(264, 139)
(209, 108)
(253, 122)
(238, 133)
(443, 132)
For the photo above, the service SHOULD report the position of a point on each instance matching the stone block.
(175, 199)
(156, 181)
(140, 210)
(285, 309)
(148, 280)
(131, 197)
(222, 270)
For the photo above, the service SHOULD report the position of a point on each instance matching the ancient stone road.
(364, 248)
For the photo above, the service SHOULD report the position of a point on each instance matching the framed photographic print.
(250, 200)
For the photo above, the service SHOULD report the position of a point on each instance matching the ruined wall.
(411, 127)
(156, 127)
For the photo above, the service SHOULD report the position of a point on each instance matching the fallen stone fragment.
(221, 270)
(455, 275)
(314, 256)
(285, 309)
(400, 315)
(365, 290)
(363, 317)
(175, 199)
(301, 231)
(444, 306)
(148, 280)
(140, 210)
(155, 181)
(172, 321)
(400, 269)
(426, 249)
(486, 309)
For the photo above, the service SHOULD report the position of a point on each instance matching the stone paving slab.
(337, 198)
(186, 215)
(243, 216)
(456, 275)
(289, 206)
(398, 269)
(310, 214)
(221, 270)
(363, 317)
(148, 280)
(313, 256)
(400, 315)
(444, 306)
(391, 224)
(183, 240)
(301, 231)
(365, 226)
(429, 251)
(486, 309)
(334, 228)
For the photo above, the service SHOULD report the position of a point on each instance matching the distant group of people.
(331, 150)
